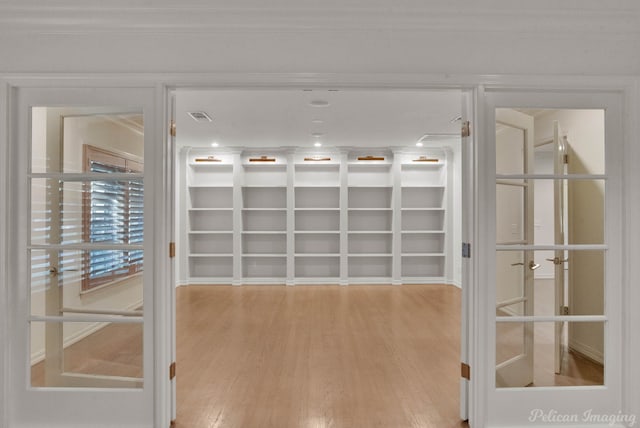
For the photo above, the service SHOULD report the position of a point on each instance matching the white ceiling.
(354, 118)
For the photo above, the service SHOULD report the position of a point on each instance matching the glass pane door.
(83, 269)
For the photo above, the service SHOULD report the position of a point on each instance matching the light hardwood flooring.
(318, 356)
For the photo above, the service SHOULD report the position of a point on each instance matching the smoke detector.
(200, 116)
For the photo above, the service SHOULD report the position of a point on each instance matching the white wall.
(50, 152)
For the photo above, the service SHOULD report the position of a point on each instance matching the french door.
(84, 174)
(531, 372)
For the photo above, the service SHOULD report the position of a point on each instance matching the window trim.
(131, 163)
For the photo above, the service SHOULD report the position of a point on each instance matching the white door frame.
(629, 87)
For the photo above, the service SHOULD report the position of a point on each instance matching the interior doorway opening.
(328, 188)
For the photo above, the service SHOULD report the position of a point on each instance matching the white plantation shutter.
(114, 214)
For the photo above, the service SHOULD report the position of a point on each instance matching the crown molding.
(610, 19)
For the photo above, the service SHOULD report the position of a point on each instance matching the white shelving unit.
(423, 216)
(370, 218)
(210, 219)
(316, 220)
(291, 220)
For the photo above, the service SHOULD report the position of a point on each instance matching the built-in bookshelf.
(423, 216)
(293, 218)
(210, 218)
(317, 219)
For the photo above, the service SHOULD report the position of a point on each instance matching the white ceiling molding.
(587, 18)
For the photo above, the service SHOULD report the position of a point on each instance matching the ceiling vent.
(200, 116)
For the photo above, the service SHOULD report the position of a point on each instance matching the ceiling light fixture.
(317, 144)
(419, 144)
(319, 103)
(317, 121)
(200, 116)
(214, 144)
(317, 134)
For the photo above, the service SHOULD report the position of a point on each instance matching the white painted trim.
(5, 101)
(631, 294)
(587, 350)
(291, 18)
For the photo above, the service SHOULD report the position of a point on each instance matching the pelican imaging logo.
(552, 416)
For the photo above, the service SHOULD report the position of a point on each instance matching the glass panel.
(81, 354)
(60, 281)
(509, 341)
(98, 211)
(579, 214)
(582, 361)
(581, 132)
(510, 213)
(580, 285)
(60, 135)
(510, 149)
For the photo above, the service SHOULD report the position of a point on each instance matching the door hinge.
(465, 371)
(466, 129)
(172, 424)
(564, 310)
(172, 249)
(172, 370)
(565, 159)
(466, 250)
(172, 128)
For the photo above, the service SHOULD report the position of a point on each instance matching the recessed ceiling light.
(214, 144)
(317, 121)
(317, 144)
(317, 134)
(319, 103)
(200, 116)
(419, 144)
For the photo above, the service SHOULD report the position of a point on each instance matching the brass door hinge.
(565, 159)
(172, 370)
(172, 424)
(465, 371)
(466, 129)
(172, 249)
(172, 128)
(565, 310)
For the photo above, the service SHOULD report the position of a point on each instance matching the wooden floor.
(318, 357)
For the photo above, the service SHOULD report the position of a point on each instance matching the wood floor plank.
(338, 357)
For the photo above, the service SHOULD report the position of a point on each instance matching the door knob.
(557, 260)
(532, 265)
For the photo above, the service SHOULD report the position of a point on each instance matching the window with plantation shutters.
(112, 214)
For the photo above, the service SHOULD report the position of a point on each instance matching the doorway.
(325, 188)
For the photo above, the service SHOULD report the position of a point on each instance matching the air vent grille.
(200, 116)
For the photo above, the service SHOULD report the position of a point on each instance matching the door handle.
(557, 260)
(54, 271)
(532, 265)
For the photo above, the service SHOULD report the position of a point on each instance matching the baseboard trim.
(587, 351)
